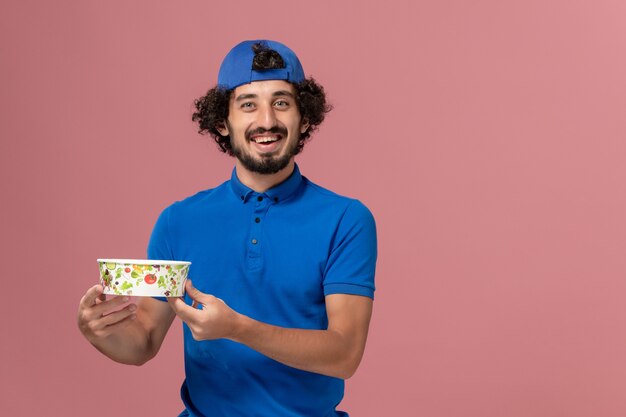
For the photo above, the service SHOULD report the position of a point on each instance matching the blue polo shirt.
(272, 256)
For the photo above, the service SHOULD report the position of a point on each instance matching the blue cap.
(236, 69)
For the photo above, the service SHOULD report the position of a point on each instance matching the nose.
(266, 117)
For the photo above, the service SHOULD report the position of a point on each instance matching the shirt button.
(254, 241)
(257, 220)
(259, 198)
(275, 199)
(242, 197)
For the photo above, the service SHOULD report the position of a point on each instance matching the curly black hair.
(212, 108)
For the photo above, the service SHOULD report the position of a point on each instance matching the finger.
(103, 307)
(117, 316)
(189, 287)
(90, 296)
(112, 328)
(196, 295)
(180, 308)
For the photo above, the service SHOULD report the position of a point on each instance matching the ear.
(222, 127)
(304, 125)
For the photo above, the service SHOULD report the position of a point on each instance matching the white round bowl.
(142, 277)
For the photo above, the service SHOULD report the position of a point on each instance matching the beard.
(267, 163)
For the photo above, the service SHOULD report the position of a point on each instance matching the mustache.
(278, 130)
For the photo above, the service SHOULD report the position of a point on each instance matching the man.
(277, 315)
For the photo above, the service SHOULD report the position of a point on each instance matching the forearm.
(130, 334)
(131, 345)
(335, 352)
(327, 352)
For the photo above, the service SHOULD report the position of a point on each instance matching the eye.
(247, 106)
(281, 104)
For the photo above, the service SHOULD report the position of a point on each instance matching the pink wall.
(487, 137)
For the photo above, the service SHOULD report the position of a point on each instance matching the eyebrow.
(279, 93)
(242, 97)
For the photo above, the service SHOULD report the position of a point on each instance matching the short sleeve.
(159, 246)
(352, 262)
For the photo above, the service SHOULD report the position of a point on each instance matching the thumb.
(196, 295)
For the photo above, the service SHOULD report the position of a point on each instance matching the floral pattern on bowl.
(151, 278)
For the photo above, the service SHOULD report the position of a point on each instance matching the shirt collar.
(277, 193)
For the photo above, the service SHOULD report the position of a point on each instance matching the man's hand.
(132, 334)
(99, 318)
(208, 317)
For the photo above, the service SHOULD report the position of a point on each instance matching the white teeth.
(265, 139)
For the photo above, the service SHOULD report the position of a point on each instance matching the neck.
(263, 182)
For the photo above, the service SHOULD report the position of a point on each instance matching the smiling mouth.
(264, 136)
(266, 139)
